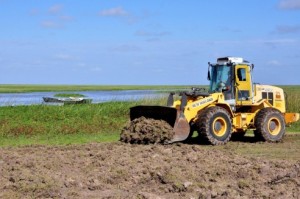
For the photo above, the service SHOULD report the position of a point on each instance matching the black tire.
(270, 125)
(215, 125)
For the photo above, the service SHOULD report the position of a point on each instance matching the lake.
(13, 99)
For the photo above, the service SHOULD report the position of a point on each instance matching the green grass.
(59, 139)
(42, 124)
(293, 98)
(16, 88)
(293, 104)
(68, 95)
(72, 119)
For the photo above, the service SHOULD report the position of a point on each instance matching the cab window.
(241, 73)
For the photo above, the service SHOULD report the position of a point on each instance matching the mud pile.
(146, 131)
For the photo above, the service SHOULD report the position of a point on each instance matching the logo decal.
(205, 100)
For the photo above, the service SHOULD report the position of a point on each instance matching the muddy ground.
(182, 170)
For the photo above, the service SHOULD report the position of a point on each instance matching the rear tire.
(270, 125)
(215, 125)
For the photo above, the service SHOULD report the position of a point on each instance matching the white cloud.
(285, 29)
(34, 12)
(59, 20)
(230, 29)
(55, 9)
(153, 40)
(96, 69)
(64, 57)
(114, 12)
(276, 42)
(120, 13)
(66, 18)
(143, 33)
(126, 48)
(81, 64)
(283, 41)
(158, 70)
(51, 24)
(273, 63)
(152, 36)
(289, 4)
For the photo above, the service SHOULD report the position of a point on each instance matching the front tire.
(215, 125)
(270, 125)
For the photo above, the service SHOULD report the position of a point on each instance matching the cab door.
(244, 94)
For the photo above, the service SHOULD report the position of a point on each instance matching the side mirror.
(208, 72)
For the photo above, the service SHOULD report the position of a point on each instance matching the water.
(13, 99)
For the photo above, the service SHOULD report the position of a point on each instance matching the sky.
(157, 42)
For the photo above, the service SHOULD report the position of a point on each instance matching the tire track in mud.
(119, 170)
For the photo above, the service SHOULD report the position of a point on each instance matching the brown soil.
(146, 130)
(119, 170)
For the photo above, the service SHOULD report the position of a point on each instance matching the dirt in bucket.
(147, 131)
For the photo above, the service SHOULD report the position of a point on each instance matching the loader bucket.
(172, 116)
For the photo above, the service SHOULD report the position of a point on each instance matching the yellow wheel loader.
(232, 105)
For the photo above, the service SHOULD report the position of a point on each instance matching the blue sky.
(163, 42)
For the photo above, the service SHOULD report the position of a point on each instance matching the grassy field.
(11, 88)
(293, 103)
(68, 95)
(40, 124)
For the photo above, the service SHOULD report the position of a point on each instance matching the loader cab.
(232, 77)
(221, 78)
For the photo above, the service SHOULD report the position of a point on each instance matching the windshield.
(219, 74)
